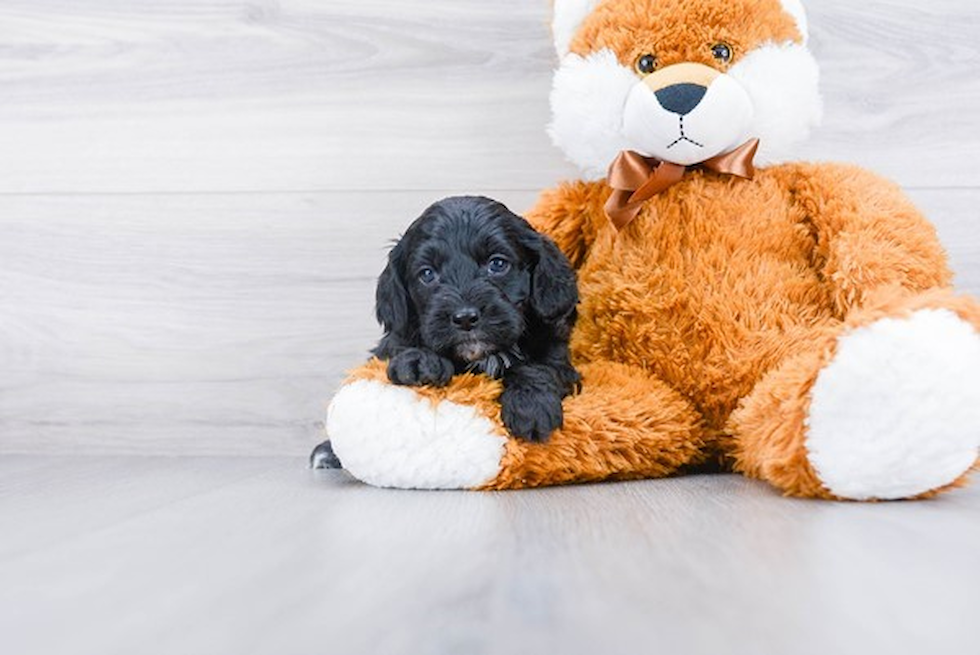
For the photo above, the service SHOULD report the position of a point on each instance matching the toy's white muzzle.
(686, 114)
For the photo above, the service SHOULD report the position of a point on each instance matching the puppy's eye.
(428, 276)
(722, 52)
(646, 64)
(498, 265)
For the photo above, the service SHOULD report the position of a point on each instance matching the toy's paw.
(416, 368)
(896, 414)
(530, 414)
(391, 436)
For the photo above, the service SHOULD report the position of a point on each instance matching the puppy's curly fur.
(473, 287)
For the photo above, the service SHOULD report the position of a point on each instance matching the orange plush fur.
(705, 323)
(678, 30)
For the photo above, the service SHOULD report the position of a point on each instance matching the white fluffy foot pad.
(389, 436)
(897, 412)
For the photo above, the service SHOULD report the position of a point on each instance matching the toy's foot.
(397, 437)
(323, 457)
(625, 424)
(896, 413)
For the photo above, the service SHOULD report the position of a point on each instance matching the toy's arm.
(869, 236)
(572, 215)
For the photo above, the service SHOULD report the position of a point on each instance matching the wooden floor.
(195, 200)
(206, 555)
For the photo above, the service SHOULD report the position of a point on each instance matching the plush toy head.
(680, 80)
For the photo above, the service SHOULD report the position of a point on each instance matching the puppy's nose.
(466, 318)
(681, 98)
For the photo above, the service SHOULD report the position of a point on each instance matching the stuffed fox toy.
(792, 322)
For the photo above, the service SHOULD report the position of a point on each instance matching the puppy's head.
(468, 278)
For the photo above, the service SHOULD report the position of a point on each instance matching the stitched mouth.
(684, 138)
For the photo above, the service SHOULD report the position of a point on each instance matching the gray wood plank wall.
(195, 196)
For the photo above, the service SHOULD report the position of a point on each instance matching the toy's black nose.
(466, 318)
(681, 98)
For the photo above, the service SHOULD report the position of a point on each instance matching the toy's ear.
(569, 16)
(795, 9)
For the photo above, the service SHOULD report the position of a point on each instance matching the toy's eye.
(646, 64)
(498, 265)
(722, 52)
(428, 276)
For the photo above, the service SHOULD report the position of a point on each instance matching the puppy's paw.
(416, 368)
(323, 457)
(570, 379)
(531, 414)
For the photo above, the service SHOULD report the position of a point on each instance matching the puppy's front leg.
(417, 367)
(531, 402)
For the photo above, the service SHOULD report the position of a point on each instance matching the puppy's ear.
(393, 307)
(554, 288)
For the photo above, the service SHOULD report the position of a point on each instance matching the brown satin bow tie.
(635, 178)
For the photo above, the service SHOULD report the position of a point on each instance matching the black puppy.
(473, 287)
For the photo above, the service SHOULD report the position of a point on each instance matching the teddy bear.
(792, 322)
